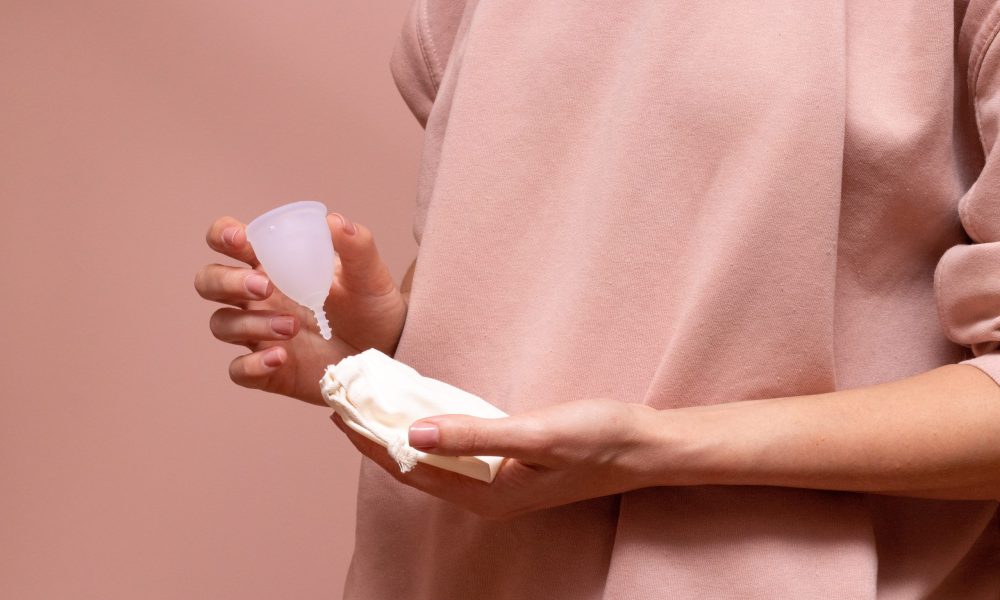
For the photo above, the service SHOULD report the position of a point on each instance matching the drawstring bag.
(380, 398)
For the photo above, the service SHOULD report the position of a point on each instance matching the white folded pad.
(380, 398)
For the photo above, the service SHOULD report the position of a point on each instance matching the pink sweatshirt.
(682, 203)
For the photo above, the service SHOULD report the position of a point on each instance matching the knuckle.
(240, 373)
(211, 282)
(467, 437)
(213, 235)
(536, 432)
(243, 327)
(234, 282)
(199, 281)
(231, 282)
(364, 234)
(536, 427)
(237, 372)
(217, 322)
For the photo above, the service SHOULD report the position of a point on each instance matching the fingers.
(482, 498)
(232, 285)
(255, 369)
(238, 326)
(444, 484)
(361, 268)
(229, 236)
(463, 435)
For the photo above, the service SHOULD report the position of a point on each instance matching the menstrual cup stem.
(324, 325)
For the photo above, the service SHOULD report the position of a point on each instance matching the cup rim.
(284, 208)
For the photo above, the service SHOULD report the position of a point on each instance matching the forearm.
(934, 435)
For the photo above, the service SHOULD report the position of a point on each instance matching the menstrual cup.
(294, 246)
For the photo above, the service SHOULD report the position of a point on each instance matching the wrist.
(670, 448)
(702, 445)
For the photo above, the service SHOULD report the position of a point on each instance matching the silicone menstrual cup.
(294, 246)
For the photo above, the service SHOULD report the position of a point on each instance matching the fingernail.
(346, 225)
(283, 325)
(229, 235)
(256, 284)
(423, 436)
(273, 358)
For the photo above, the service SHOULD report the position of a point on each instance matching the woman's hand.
(557, 455)
(932, 435)
(365, 308)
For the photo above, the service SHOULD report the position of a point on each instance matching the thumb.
(361, 268)
(464, 435)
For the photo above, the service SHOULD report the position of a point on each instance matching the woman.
(719, 265)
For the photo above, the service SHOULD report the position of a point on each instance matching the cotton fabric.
(683, 203)
(380, 398)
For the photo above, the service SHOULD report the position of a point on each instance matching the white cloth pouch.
(380, 397)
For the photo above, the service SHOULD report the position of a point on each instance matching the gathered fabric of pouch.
(380, 398)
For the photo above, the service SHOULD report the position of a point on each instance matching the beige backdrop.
(130, 466)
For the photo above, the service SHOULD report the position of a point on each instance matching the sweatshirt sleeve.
(422, 52)
(967, 277)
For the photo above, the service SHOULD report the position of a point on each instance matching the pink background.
(130, 466)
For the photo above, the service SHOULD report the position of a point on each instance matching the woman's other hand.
(557, 455)
(365, 309)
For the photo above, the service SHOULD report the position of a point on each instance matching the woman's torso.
(677, 204)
